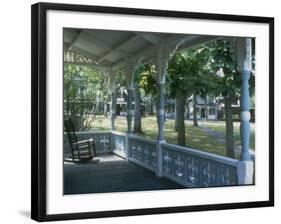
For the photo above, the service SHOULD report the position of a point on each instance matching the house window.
(212, 111)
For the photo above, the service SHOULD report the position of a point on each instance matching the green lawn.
(195, 137)
(219, 126)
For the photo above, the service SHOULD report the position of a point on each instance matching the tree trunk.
(176, 116)
(137, 117)
(195, 122)
(187, 111)
(96, 106)
(206, 109)
(113, 109)
(105, 109)
(180, 99)
(219, 111)
(67, 106)
(151, 107)
(229, 128)
(157, 111)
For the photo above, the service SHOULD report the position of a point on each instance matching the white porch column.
(162, 56)
(113, 95)
(161, 78)
(244, 59)
(129, 73)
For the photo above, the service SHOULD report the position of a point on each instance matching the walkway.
(221, 138)
(214, 134)
(111, 173)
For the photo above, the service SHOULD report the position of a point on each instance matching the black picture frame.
(39, 108)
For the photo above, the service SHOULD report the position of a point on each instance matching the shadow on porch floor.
(110, 173)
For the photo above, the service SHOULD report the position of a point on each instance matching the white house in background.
(206, 108)
(212, 108)
(121, 102)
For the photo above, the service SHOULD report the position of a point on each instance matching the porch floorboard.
(110, 173)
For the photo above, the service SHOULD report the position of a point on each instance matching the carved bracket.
(129, 71)
(112, 80)
(73, 57)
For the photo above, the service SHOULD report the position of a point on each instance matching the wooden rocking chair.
(83, 150)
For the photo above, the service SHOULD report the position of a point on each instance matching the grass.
(219, 126)
(195, 137)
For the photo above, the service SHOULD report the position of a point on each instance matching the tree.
(137, 100)
(148, 84)
(177, 87)
(226, 84)
(119, 86)
(195, 121)
(143, 90)
(83, 87)
(186, 73)
(199, 75)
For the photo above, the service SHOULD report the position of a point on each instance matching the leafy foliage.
(226, 80)
(84, 89)
(146, 78)
(188, 72)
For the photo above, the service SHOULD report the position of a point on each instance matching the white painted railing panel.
(195, 168)
(143, 152)
(119, 143)
(189, 167)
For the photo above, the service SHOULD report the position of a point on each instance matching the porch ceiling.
(111, 48)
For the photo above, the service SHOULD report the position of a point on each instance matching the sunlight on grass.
(195, 137)
(219, 126)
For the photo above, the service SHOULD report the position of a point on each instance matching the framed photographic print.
(139, 111)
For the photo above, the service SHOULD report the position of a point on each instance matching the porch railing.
(102, 140)
(196, 168)
(142, 151)
(119, 143)
(186, 166)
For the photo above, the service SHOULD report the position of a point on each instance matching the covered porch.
(128, 162)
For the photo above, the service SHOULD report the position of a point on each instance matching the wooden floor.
(111, 173)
